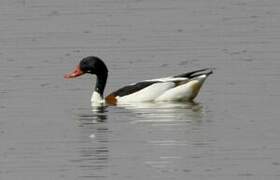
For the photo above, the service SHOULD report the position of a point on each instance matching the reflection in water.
(166, 134)
(165, 112)
(93, 150)
(97, 115)
(163, 132)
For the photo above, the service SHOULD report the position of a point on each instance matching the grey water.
(48, 129)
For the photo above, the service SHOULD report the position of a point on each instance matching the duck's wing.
(132, 88)
(136, 87)
(139, 92)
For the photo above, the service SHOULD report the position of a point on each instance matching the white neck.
(96, 98)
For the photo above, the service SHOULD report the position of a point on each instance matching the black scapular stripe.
(132, 88)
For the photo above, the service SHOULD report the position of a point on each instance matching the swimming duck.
(182, 87)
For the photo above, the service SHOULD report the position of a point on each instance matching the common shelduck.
(182, 87)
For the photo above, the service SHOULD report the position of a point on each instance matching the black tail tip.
(210, 71)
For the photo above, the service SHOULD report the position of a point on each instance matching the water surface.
(48, 130)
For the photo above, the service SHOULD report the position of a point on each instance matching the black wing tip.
(193, 74)
(210, 71)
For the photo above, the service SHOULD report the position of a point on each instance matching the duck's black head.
(91, 65)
